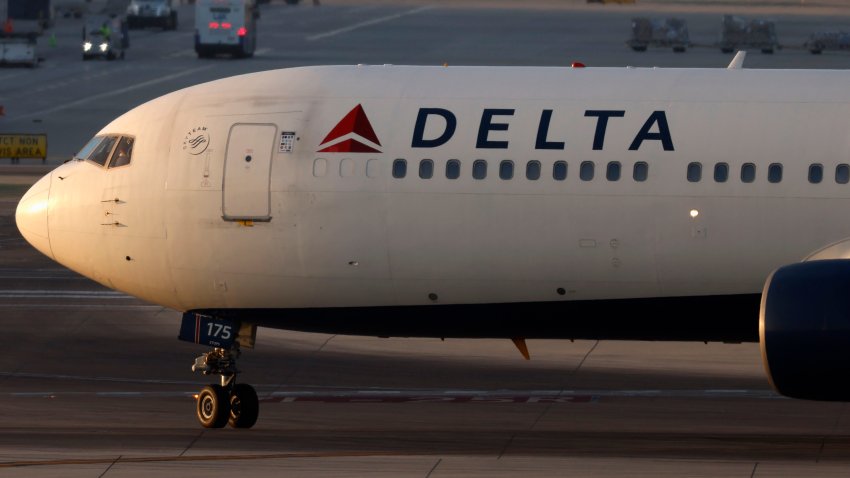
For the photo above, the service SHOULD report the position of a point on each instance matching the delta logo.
(353, 134)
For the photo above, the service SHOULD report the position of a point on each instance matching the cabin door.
(247, 172)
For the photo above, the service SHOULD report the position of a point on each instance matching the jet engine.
(804, 329)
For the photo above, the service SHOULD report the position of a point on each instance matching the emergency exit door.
(247, 172)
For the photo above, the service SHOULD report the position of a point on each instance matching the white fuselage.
(298, 228)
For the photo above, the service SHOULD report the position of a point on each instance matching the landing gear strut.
(229, 402)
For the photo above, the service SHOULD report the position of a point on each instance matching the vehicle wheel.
(767, 51)
(244, 406)
(727, 50)
(173, 20)
(121, 55)
(86, 57)
(213, 406)
(679, 49)
(639, 48)
(816, 52)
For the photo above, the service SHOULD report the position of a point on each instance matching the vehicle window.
(453, 169)
(842, 174)
(88, 148)
(748, 172)
(426, 169)
(559, 170)
(774, 173)
(123, 152)
(100, 154)
(532, 170)
(721, 172)
(399, 168)
(694, 172)
(815, 173)
(585, 171)
(641, 171)
(612, 173)
(506, 170)
(479, 169)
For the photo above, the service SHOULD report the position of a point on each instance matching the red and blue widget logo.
(353, 134)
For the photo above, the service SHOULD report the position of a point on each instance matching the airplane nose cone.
(31, 216)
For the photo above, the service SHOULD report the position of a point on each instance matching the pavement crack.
(755, 467)
(191, 444)
(434, 467)
(561, 391)
(507, 445)
(110, 466)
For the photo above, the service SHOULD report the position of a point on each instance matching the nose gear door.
(247, 172)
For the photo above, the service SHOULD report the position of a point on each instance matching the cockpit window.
(123, 152)
(87, 149)
(100, 153)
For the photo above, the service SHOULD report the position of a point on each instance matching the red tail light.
(213, 25)
(226, 25)
(242, 32)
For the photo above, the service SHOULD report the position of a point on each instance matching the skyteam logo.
(353, 134)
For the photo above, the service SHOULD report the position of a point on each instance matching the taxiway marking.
(367, 23)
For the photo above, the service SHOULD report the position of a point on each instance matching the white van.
(225, 26)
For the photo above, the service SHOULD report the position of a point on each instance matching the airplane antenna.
(737, 63)
(523, 349)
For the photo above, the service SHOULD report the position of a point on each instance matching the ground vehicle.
(225, 26)
(104, 36)
(142, 13)
(40, 10)
(835, 40)
(670, 32)
(738, 33)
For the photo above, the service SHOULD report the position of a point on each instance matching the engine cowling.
(804, 329)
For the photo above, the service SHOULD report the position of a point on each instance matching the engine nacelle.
(804, 330)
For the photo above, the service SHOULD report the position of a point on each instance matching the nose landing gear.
(230, 403)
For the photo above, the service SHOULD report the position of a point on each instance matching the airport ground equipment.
(18, 44)
(157, 13)
(659, 32)
(739, 34)
(836, 40)
(97, 44)
(38, 10)
(225, 27)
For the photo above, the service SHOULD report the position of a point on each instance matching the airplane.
(474, 202)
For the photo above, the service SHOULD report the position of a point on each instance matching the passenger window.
(721, 172)
(373, 168)
(100, 153)
(123, 152)
(532, 170)
(506, 170)
(586, 170)
(815, 173)
(694, 172)
(842, 174)
(453, 169)
(346, 168)
(641, 171)
(479, 169)
(612, 173)
(320, 167)
(748, 172)
(399, 168)
(559, 170)
(774, 173)
(426, 169)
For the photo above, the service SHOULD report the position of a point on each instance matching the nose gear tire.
(213, 406)
(244, 406)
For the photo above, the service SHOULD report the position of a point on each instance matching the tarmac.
(95, 383)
